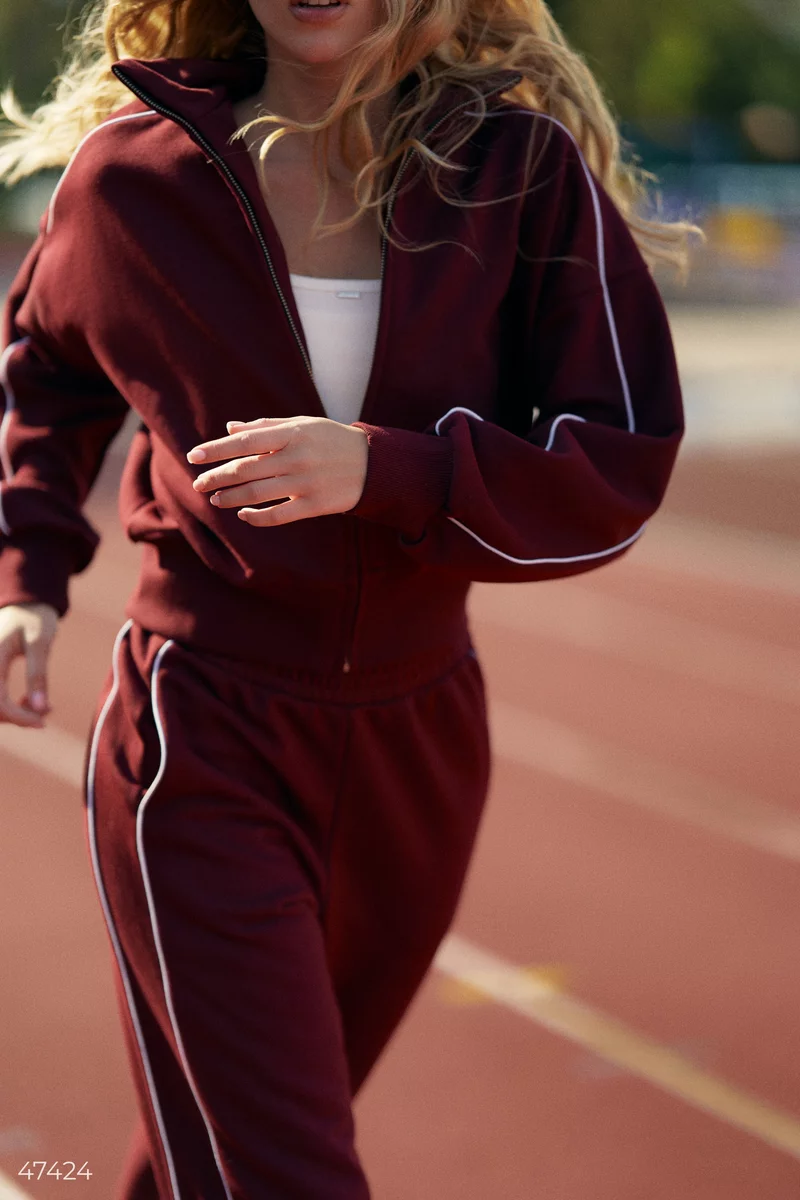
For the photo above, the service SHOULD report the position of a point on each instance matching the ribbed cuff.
(35, 569)
(408, 478)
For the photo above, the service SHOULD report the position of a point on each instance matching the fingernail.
(215, 498)
(39, 701)
(230, 424)
(196, 455)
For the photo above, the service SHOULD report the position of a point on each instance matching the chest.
(220, 316)
(293, 197)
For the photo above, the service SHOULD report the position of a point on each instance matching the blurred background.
(614, 1016)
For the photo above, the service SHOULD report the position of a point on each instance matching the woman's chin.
(321, 55)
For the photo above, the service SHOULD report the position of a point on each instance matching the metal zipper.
(146, 98)
(230, 176)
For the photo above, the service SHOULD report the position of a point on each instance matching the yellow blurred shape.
(747, 234)
(453, 991)
(556, 977)
(552, 977)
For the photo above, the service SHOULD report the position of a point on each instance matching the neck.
(300, 91)
(305, 91)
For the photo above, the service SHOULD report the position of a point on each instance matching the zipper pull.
(346, 665)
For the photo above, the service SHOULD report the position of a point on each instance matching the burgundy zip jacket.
(523, 411)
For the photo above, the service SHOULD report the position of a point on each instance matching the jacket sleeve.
(59, 414)
(580, 461)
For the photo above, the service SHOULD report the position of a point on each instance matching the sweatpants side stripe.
(154, 698)
(123, 970)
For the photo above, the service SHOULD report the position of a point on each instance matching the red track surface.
(686, 934)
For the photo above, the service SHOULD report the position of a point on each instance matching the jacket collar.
(195, 86)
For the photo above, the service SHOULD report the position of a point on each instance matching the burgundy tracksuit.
(289, 759)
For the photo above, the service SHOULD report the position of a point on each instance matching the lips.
(318, 12)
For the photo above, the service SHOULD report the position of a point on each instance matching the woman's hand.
(320, 465)
(26, 629)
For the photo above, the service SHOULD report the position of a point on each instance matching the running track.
(615, 1014)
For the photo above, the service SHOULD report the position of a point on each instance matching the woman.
(403, 338)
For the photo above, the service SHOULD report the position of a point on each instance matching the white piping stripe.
(123, 970)
(626, 393)
(111, 121)
(601, 257)
(601, 263)
(557, 422)
(532, 562)
(153, 920)
(467, 411)
(5, 424)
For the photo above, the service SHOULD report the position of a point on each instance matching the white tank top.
(340, 321)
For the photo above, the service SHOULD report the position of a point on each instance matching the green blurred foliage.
(682, 58)
(32, 36)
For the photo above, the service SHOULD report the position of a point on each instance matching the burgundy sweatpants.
(277, 861)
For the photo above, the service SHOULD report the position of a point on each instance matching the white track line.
(598, 766)
(10, 1191)
(617, 1043)
(50, 749)
(539, 744)
(574, 614)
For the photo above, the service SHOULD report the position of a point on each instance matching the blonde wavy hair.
(444, 41)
